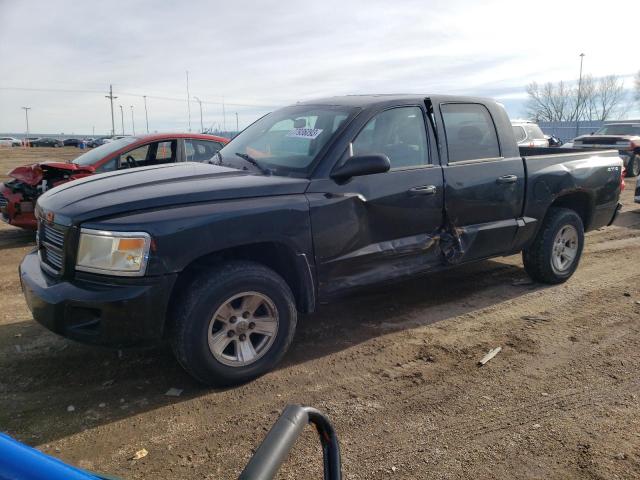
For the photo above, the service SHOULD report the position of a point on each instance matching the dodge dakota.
(308, 203)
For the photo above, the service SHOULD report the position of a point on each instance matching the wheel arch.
(580, 202)
(293, 267)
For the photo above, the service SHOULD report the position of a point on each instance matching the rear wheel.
(555, 253)
(234, 323)
(633, 167)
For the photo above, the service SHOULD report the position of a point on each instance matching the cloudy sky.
(59, 57)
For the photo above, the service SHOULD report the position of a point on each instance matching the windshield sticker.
(309, 133)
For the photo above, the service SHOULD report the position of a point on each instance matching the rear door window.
(200, 150)
(165, 152)
(470, 132)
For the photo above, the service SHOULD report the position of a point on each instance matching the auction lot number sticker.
(309, 133)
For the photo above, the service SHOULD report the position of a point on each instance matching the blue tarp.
(20, 462)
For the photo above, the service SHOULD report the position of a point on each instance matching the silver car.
(528, 134)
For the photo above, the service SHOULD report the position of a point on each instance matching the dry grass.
(11, 157)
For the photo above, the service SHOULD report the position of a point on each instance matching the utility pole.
(200, 103)
(579, 95)
(224, 117)
(188, 101)
(122, 118)
(237, 127)
(133, 124)
(26, 116)
(146, 115)
(112, 98)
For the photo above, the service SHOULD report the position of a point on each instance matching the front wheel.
(234, 323)
(555, 252)
(633, 167)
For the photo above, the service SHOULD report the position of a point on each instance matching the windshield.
(287, 141)
(620, 129)
(97, 154)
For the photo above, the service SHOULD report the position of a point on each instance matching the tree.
(592, 99)
(549, 102)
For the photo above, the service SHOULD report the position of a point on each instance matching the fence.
(567, 131)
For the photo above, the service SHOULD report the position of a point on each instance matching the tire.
(633, 167)
(211, 293)
(542, 259)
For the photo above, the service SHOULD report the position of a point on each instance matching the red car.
(18, 196)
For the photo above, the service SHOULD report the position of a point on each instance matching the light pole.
(146, 115)
(237, 127)
(188, 101)
(579, 95)
(224, 117)
(133, 124)
(122, 118)
(112, 98)
(200, 103)
(26, 116)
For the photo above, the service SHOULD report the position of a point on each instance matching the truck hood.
(34, 173)
(157, 187)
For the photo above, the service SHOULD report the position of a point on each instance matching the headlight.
(113, 253)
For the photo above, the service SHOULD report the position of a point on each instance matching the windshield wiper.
(254, 162)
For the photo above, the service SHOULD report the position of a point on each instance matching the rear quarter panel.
(595, 175)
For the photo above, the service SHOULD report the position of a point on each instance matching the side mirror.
(359, 165)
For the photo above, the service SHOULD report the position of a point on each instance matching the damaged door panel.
(373, 229)
(381, 226)
(484, 191)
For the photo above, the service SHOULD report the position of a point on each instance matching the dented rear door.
(484, 180)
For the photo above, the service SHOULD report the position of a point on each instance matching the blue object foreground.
(20, 462)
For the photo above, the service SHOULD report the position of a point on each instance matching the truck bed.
(593, 174)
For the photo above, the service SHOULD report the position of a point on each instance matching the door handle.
(507, 179)
(423, 190)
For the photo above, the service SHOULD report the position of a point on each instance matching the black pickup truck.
(309, 202)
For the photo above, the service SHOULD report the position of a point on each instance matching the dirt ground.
(395, 369)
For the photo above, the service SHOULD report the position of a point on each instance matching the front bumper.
(97, 310)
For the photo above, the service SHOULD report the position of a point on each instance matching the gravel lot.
(395, 369)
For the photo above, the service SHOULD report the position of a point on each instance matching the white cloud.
(278, 52)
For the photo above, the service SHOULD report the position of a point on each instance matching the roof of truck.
(375, 99)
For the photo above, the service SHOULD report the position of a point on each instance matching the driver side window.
(398, 133)
(134, 158)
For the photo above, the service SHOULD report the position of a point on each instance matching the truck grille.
(51, 239)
